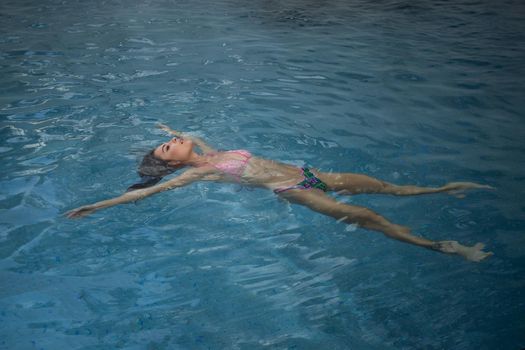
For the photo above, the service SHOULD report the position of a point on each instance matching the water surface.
(412, 93)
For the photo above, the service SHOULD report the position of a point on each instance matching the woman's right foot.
(474, 253)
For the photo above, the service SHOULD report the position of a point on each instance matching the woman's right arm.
(184, 179)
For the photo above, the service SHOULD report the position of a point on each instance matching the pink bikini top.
(234, 167)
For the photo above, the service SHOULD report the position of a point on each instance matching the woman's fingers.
(79, 212)
(75, 213)
(169, 130)
(164, 128)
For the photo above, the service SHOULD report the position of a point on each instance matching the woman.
(303, 186)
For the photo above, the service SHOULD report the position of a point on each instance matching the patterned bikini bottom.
(310, 181)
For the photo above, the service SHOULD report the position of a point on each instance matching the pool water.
(410, 92)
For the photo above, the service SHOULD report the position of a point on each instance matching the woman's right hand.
(169, 130)
(81, 211)
(201, 144)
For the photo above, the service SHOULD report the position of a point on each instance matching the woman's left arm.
(184, 179)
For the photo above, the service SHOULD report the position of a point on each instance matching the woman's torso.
(241, 166)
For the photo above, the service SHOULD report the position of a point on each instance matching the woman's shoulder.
(243, 152)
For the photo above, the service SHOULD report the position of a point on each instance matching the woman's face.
(176, 149)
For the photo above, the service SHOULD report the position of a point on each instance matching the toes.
(479, 246)
(469, 185)
(484, 256)
(457, 193)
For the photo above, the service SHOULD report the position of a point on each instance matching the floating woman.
(304, 186)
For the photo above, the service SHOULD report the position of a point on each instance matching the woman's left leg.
(358, 183)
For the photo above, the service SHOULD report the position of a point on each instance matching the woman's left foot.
(456, 188)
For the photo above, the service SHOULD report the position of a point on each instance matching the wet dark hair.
(151, 170)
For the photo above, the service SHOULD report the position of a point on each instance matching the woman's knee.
(364, 217)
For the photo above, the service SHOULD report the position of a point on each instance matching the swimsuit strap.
(242, 152)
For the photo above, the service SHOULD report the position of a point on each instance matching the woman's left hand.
(81, 211)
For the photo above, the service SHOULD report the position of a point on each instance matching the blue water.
(422, 92)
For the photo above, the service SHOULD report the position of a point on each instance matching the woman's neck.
(197, 160)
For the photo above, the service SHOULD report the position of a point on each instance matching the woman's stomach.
(271, 174)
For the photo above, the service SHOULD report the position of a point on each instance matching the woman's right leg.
(320, 202)
(348, 183)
